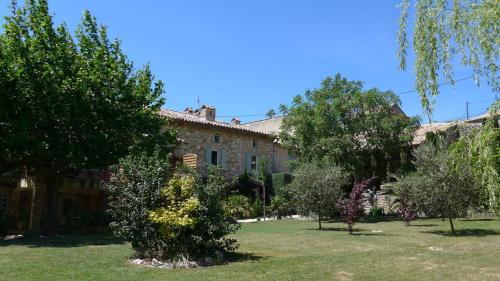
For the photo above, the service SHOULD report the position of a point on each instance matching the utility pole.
(467, 108)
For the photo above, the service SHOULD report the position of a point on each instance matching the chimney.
(236, 121)
(188, 110)
(207, 112)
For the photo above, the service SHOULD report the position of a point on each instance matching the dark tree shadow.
(484, 219)
(65, 241)
(379, 219)
(423, 225)
(243, 257)
(356, 231)
(473, 232)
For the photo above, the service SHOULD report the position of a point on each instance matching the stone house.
(236, 147)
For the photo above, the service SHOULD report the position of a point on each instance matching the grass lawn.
(282, 250)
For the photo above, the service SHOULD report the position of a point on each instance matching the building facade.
(203, 140)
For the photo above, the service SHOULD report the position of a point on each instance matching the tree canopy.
(342, 123)
(71, 102)
(445, 31)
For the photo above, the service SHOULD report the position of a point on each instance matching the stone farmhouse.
(238, 148)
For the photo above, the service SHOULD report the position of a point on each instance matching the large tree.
(446, 30)
(69, 102)
(358, 129)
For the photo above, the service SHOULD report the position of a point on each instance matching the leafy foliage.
(444, 30)
(343, 124)
(169, 219)
(317, 188)
(179, 205)
(481, 151)
(134, 190)
(75, 102)
(352, 207)
(238, 207)
(441, 187)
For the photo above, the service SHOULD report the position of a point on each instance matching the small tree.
(439, 188)
(317, 187)
(352, 207)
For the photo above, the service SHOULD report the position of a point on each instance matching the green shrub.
(376, 211)
(280, 206)
(134, 190)
(170, 217)
(238, 207)
(280, 181)
(258, 208)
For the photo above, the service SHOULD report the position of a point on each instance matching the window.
(254, 143)
(217, 138)
(253, 163)
(213, 159)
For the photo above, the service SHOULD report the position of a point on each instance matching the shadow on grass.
(378, 219)
(484, 219)
(356, 232)
(423, 225)
(473, 232)
(64, 241)
(243, 257)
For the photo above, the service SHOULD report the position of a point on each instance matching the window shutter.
(223, 159)
(208, 155)
(248, 163)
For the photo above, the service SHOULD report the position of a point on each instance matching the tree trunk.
(44, 205)
(319, 221)
(451, 224)
(51, 215)
(37, 206)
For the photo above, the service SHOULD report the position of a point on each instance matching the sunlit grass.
(282, 250)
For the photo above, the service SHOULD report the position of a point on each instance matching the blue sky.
(246, 57)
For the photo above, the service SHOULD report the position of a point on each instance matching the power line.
(399, 94)
(439, 85)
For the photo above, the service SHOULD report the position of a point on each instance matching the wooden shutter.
(223, 157)
(208, 155)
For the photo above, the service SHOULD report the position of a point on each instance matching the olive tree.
(317, 188)
(439, 187)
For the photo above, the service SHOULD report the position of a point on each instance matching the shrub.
(134, 190)
(258, 207)
(376, 211)
(280, 206)
(316, 188)
(238, 207)
(352, 207)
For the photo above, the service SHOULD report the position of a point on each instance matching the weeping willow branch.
(447, 30)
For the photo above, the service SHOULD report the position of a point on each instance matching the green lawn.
(282, 250)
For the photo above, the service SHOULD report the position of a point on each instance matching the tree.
(70, 103)
(481, 150)
(341, 123)
(317, 188)
(444, 30)
(441, 187)
(352, 207)
(270, 113)
(238, 207)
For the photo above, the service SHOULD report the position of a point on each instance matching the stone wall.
(235, 148)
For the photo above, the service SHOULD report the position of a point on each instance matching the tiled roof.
(268, 126)
(192, 118)
(419, 135)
